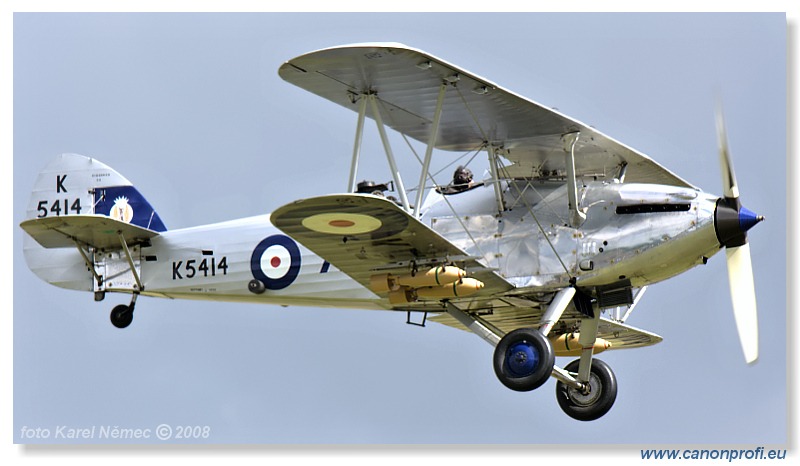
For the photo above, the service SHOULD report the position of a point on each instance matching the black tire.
(598, 402)
(121, 316)
(524, 359)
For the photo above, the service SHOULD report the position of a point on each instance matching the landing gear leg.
(597, 389)
(523, 359)
(122, 315)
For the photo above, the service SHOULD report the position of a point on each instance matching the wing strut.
(89, 264)
(576, 217)
(398, 181)
(362, 112)
(437, 116)
(498, 194)
(130, 261)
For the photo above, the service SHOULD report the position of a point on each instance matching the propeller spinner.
(732, 221)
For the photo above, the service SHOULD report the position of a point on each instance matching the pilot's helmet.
(463, 175)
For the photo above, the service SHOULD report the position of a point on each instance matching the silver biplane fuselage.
(642, 246)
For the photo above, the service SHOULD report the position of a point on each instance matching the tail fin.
(77, 185)
(74, 185)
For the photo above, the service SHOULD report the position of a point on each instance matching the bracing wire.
(539, 225)
(437, 186)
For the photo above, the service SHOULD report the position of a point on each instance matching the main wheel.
(524, 359)
(122, 316)
(599, 399)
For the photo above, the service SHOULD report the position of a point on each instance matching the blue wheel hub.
(522, 359)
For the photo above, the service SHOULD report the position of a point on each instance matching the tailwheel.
(122, 316)
(594, 402)
(524, 359)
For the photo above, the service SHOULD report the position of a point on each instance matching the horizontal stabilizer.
(97, 231)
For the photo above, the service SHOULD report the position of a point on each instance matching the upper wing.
(363, 235)
(98, 231)
(475, 111)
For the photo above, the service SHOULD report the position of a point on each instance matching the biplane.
(545, 255)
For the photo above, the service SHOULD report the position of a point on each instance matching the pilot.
(462, 177)
(462, 181)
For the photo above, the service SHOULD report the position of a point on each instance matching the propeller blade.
(730, 189)
(743, 295)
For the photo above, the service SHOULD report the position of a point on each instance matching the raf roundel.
(276, 262)
(343, 223)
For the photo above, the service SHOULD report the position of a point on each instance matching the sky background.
(190, 108)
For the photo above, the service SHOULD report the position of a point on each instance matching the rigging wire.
(539, 225)
(501, 168)
(437, 186)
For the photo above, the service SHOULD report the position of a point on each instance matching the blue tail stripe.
(127, 204)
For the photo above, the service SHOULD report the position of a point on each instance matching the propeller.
(732, 221)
